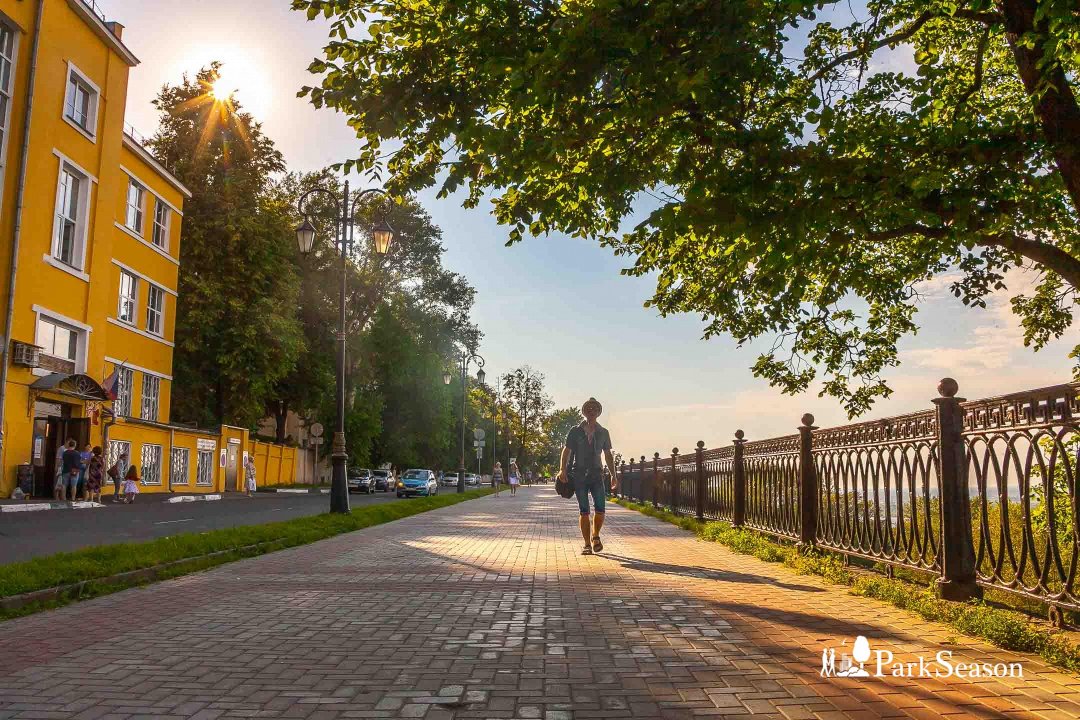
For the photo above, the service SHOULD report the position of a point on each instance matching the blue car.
(417, 482)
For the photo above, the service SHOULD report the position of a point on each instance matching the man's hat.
(593, 401)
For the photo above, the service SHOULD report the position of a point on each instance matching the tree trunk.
(1053, 99)
(281, 415)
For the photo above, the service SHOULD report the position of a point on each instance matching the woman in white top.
(515, 478)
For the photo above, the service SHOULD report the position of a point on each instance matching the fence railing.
(981, 493)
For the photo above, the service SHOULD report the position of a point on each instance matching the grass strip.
(92, 571)
(1006, 629)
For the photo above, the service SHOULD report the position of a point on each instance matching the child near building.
(131, 484)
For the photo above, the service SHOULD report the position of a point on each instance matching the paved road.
(486, 610)
(32, 534)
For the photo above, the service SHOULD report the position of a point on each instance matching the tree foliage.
(237, 333)
(809, 163)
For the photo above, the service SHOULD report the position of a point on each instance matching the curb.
(38, 507)
(297, 491)
(193, 498)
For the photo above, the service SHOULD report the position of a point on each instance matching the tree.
(237, 332)
(556, 427)
(523, 391)
(800, 198)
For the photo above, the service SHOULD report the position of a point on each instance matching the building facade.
(90, 235)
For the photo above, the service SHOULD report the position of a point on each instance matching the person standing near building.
(131, 484)
(70, 469)
(117, 473)
(84, 467)
(249, 475)
(588, 446)
(95, 475)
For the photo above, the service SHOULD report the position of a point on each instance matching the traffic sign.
(316, 429)
(478, 433)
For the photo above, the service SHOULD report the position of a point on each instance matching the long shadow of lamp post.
(382, 234)
(466, 358)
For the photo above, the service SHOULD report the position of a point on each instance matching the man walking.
(581, 458)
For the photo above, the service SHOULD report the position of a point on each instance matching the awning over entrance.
(81, 387)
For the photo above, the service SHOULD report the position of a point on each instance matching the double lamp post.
(466, 358)
(345, 222)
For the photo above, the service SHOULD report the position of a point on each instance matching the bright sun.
(242, 82)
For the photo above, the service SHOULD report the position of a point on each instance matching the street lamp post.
(344, 229)
(466, 358)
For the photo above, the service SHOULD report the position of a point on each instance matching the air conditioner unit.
(26, 355)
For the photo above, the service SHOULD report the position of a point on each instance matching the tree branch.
(1048, 256)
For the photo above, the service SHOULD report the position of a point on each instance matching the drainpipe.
(5, 354)
(172, 442)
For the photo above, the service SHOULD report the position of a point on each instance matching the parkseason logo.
(859, 660)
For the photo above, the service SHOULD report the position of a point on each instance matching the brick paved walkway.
(486, 610)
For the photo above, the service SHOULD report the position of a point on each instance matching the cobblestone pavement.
(486, 610)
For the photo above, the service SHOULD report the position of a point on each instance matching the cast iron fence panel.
(1022, 463)
(685, 484)
(772, 486)
(720, 483)
(878, 486)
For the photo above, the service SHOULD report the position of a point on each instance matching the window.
(125, 382)
(115, 450)
(151, 385)
(7, 63)
(135, 196)
(151, 465)
(178, 469)
(81, 102)
(155, 309)
(60, 342)
(70, 229)
(129, 294)
(204, 468)
(160, 235)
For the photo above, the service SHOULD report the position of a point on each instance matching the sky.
(559, 304)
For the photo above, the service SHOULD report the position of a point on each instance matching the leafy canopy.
(810, 162)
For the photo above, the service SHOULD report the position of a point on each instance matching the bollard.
(808, 489)
(957, 581)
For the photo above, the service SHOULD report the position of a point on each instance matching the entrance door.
(230, 466)
(49, 438)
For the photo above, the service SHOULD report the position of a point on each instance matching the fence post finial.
(808, 486)
(957, 581)
(738, 513)
(675, 481)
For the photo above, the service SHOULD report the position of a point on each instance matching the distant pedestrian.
(84, 467)
(131, 484)
(497, 478)
(515, 478)
(587, 445)
(249, 475)
(70, 468)
(116, 474)
(95, 475)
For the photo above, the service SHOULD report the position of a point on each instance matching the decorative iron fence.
(980, 493)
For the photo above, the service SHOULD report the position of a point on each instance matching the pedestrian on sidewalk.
(95, 475)
(131, 484)
(116, 474)
(515, 479)
(70, 469)
(497, 478)
(84, 467)
(587, 447)
(249, 475)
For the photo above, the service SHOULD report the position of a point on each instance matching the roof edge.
(144, 154)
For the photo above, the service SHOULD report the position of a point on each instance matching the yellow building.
(90, 233)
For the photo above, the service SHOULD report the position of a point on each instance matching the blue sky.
(556, 303)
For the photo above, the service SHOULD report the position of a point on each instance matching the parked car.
(384, 482)
(361, 480)
(448, 478)
(472, 479)
(417, 482)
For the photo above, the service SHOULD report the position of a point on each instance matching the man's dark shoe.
(587, 550)
(597, 546)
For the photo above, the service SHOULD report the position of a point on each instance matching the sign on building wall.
(204, 444)
(221, 461)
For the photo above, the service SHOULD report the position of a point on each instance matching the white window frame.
(155, 313)
(135, 215)
(162, 219)
(150, 401)
(125, 391)
(76, 78)
(81, 331)
(112, 453)
(205, 462)
(127, 307)
(62, 215)
(150, 464)
(178, 475)
(7, 91)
